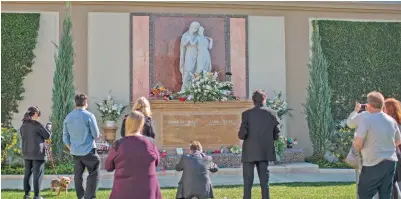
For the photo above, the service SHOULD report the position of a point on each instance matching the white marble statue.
(188, 53)
(204, 44)
(194, 53)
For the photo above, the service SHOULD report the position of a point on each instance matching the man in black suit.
(259, 128)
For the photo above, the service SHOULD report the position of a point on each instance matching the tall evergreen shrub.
(318, 102)
(63, 86)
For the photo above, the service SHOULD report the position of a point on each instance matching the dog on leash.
(60, 184)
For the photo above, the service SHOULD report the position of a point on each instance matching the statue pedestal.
(213, 124)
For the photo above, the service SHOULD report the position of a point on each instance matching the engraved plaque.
(210, 130)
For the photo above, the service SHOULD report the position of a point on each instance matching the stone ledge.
(229, 160)
(225, 160)
(284, 168)
(176, 105)
(342, 171)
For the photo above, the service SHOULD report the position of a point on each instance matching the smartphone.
(363, 108)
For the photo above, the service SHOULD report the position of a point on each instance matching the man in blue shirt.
(80, 131)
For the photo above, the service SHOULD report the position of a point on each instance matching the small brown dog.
(60, 184)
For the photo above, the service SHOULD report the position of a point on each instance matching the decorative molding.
(247, 56)
(227, 45)
(378, 7)
(175, 105)
(131, 61)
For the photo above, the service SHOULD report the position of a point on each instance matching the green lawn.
(287, 191)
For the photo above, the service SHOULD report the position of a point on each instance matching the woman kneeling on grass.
(195, 181)
(134, 157)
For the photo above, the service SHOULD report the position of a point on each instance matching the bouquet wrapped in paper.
(160, 92)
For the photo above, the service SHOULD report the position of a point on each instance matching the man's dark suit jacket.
(195, 180)
(259, 128)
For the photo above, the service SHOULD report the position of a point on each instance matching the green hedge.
(19, 32)
(62, 168)
(362, 57)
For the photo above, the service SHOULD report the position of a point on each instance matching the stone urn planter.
(110, 123)
(109, 133)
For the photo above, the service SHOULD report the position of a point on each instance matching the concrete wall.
(108, 58)
(38, 84)
(266, 49)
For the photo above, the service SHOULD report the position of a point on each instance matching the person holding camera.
(33, 136)
(376, 138)
(352, 122)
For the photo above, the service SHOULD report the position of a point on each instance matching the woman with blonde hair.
(134, 159)
(142, 105)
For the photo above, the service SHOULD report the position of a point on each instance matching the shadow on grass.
(293, 184)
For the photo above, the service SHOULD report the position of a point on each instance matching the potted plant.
(110, 111)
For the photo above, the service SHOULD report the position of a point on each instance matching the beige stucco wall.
(266, 51)
(38, 83)
(296, 30)
(108, 58)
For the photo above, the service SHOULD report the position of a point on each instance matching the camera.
(363, 108)
(48, 126)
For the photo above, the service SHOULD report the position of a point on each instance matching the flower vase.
(110, 123)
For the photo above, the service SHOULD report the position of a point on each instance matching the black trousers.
(91, 162)
(37, 167)
(397, 178)
(377, 178)
(248, 174)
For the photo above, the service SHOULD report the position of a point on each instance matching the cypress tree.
(63, 86)
(318, 102)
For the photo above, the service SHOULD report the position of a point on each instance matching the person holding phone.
(353, 121)
(376, 138)
(33, 136)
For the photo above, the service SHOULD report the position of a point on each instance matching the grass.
(333, 190)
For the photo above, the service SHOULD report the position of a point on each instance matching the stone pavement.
(300, 172)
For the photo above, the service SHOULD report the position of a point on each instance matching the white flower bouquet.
(205, 86)
(109, 110)
(279, 105)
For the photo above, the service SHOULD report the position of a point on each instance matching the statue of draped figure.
(194, 53)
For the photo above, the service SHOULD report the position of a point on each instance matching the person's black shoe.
(38, 197)
(27, 197)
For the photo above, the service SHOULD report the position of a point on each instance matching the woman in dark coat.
(142, 105)
(195, 180)
(134, 159)
(33, 136)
